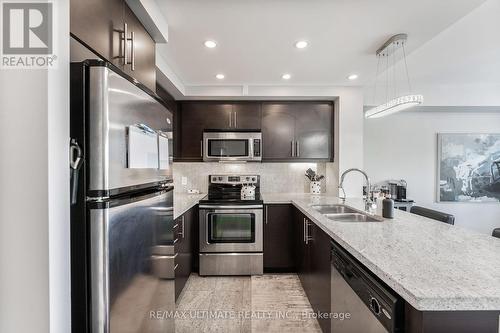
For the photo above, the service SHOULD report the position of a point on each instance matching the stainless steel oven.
(231, 228)
(232, 146)
(231, 239)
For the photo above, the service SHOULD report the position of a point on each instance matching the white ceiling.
(256, 38)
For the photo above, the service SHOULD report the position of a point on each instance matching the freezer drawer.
(163, 267)
(126, 236)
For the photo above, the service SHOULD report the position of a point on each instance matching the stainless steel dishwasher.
(359, 302)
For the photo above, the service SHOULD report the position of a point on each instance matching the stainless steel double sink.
(342, 213)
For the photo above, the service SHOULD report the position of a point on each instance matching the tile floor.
(267, 303)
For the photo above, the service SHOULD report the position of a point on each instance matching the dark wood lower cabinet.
(184, 248)
(313, 266)
(320, 274)
(279, 244)
(302, 251)
(312, 248)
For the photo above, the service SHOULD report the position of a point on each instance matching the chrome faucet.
(369, 204)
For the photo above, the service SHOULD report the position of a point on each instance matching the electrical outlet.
(184, 180)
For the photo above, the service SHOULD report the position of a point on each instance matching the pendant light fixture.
(388, 52)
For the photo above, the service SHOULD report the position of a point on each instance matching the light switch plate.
(184, 180)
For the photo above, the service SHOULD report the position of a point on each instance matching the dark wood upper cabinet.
(279, 246)
(291, 131)
(313, 130)
(143, 53)
(93, 22)
(247, 115)
(99, 24)
(297, 131)
(278, 131)
(196, 117)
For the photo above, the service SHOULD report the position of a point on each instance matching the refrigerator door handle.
(75, 163)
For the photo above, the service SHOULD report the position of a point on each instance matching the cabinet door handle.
(304, 229)
(124, 40)
(293, 148)
(201, 148)
(132, 48)
(230, 119)
(297, 145)
(307, 232)
(183, 234)
(132, 51)
(267, 209)
(308, 237)
(235, 119)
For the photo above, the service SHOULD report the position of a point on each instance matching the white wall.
(404, 146)
(34, 193)
(58, 192)
(459, 66)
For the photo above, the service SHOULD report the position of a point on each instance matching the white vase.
(315, 187)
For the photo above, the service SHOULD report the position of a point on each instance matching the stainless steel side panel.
(257, 246)
(231, 264)
(124, 288)
(99, 279)
(115, 104)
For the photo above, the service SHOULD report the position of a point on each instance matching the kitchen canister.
(388, 207)
(315, 187)
(248, 191)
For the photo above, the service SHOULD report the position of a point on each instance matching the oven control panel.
(234, 179)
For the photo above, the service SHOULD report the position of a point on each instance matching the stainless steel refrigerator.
(122, 203)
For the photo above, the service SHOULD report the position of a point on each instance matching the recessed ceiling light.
(353, 77)
(220, 76)
(210, 44)
(301, 44)
(286, 76)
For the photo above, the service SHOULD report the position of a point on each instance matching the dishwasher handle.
(343, 267)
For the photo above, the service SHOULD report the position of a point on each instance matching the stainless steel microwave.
(232, 146)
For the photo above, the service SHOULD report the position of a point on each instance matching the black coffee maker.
(397, 189)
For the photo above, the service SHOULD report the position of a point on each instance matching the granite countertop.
(432, 265)
(185, 201)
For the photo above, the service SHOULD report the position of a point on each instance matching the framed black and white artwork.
(468, 167)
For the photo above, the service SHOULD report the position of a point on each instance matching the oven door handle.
(238, 207)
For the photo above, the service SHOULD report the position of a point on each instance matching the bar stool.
(433, 214)
(496, 233)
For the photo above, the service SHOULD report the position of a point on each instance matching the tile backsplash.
(274, 177)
